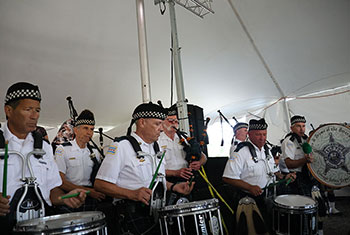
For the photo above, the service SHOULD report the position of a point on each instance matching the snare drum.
(200, 217)
(295, 214)
(89, 222)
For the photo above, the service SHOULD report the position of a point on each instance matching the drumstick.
(273, 184)
(156, 173)
(4, 181)
(71, 195)
(289, 180)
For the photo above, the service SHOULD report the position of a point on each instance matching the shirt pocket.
(143, 169)
(73, 162)
(40, 171)
(253, 169)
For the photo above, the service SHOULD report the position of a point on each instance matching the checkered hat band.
(23, 93)
(172, 113)
(149, 114)
(257, 126)
(298, 120)
(239, 126)
(85, 122)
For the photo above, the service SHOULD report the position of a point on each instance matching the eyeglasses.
(172, 120)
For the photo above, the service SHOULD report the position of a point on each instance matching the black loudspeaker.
(197, 127)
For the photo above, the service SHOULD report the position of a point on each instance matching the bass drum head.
(331, 152)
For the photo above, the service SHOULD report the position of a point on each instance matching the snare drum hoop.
(309, 165)
(183, 214)
(195, 207)
(94, 222)
(305, 208)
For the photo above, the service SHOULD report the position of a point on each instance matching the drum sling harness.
(158, 197)
(255, 159)
(252, 150)
(294, 136)
(27, 202)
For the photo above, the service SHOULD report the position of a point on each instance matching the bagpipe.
(222, 117)
(190, 145)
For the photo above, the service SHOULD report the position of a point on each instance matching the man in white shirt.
(76, 160)
(295, 158)
(177, 168)
(22, 109)
(125, 174)
(251, 168)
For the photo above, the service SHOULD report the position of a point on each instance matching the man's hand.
(292, 176)
(184, 188)
(195, 165)
(309, 158)
(185, 173)
(4, 205)
(75, 202)
(142, 194)
(255, 190)
(97, 195)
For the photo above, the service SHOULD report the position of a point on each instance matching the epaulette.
(135, 145)
(120, 138)
(38, 141)
(294, 136)
(251, 149)
(66, 144)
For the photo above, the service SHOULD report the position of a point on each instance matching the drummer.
(22, 109)
(251, 167)
(294, 157)
(76, 161)
(123, 175)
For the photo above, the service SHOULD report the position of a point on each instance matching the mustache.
(169, 128)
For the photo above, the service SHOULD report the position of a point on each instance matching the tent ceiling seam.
(256, 49)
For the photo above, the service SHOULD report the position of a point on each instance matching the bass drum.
(331, 151)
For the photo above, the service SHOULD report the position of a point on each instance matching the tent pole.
(180, 90)
(287, 114)
(143, 53)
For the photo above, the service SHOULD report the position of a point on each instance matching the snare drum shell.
(71, 223)
(199, 217)
(295, 215)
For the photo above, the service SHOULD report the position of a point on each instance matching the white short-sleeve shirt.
(175, 155)
(122, 167)
(242, 166)
(75, 163)
(44, 169)
(292, 150)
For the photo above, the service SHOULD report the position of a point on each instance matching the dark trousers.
(134, 218)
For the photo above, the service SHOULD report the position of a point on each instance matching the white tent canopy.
(89, 50)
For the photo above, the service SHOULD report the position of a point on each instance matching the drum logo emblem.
(29, 204)
(334, 154)
(331, 152)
